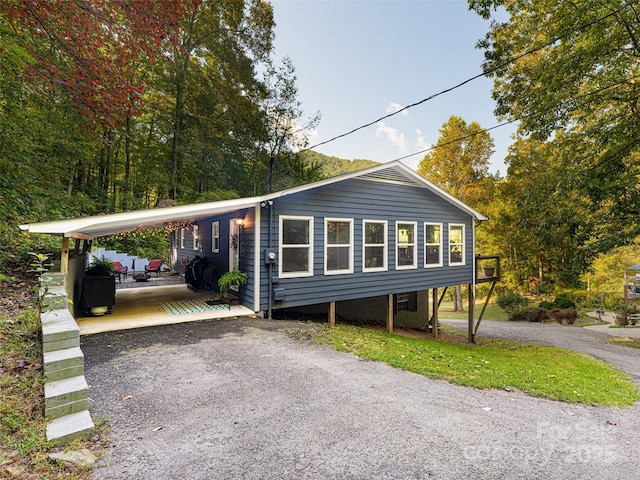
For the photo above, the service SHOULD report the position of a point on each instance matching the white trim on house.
(462, 245)
(215, 236)
(413, 245)
(427, 245)
(257, 256)
(349, 269)
(282, 246)
(385, 247)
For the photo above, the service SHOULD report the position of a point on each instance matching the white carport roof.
(100, 225)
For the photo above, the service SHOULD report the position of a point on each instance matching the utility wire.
(532, 114)
(480, 75)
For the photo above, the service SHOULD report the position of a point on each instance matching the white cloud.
(396, 107)
(420, 142)
(392, 134)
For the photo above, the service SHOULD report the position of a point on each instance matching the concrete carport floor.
(142, 307)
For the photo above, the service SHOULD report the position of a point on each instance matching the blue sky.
(358, 60)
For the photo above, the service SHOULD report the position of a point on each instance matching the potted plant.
(230, 281)
(98, 287)
(488, 270)
(99, 268)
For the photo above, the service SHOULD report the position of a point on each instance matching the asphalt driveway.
(242, 398)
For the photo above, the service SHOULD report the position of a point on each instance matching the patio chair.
(120, 271)
(154, 266)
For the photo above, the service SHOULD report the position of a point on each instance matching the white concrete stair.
(64, 397)
(66, 393)
(62, 364)
(64, 430)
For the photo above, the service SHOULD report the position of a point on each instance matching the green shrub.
(562, 301)
(513, 304)
(623, 313)
(560, 315)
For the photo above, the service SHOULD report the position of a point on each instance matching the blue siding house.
(367, 244)
(369, 234)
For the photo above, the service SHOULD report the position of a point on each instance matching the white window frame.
(215, 237)
(195, 234)
(462, 226)
(181, 238)
(338, 245)
(414, 245)
(439, 245)
(282, 246)
(383, 267)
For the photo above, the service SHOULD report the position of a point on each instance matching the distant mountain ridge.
(332, 166)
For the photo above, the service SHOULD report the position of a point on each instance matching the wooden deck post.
(472, 302)
(332, 313)
(64, 256)
(390, 313)
(435, 312)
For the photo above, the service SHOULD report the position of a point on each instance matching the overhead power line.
(480, 75)
(532, 114)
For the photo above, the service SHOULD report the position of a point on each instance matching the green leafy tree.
(544, 224)
(460, 165)
(569, 71)
(286, 129)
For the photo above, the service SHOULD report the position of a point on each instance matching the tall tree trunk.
(458, 306)
(127, 165)
(175, 142)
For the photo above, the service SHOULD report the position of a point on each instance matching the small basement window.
(406, 302)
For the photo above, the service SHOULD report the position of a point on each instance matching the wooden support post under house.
(390, 313)
(471, 309)
(434, 317)
(484, 308)
(332, 313)
(64, 256)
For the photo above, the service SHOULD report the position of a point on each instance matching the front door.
(234, 245)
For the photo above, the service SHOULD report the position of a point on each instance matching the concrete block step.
(59, 331)
(61, 359)
(58, 411)
(65, 391)
(64, 430)
(64, 373)
(55, 298)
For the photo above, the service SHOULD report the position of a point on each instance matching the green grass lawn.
(546, 372)
(493, 312)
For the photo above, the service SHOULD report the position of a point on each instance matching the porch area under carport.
(139, 307)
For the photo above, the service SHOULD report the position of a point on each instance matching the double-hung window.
(406, 245)
(181, 238)
(196, 237)
(375, 245)
(296, 246)
(215, 237)
(456, 244)
(338, 235)
(432, 244)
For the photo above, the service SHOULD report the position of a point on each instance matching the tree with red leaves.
(91, 49)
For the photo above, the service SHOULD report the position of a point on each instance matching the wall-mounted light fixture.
(265, 203)
(240, 221)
